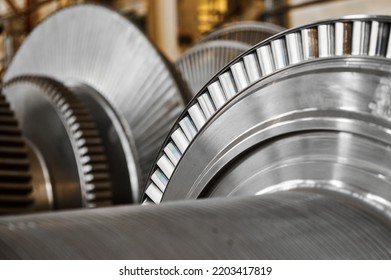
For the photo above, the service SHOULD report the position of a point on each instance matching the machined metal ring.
(331, 76)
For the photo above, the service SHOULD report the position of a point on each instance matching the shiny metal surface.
(97, 47)
(249, 32)
(201, 62)
(16, 185)
(63, 131)
(305, 89)
(296, 224)
(119, 147)
(42, 185)
(315, 104)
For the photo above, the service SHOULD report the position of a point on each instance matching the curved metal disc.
(248, 32)
(285, 225)
(328, 76)
(201, 62)
(61, 128)
(92, 45)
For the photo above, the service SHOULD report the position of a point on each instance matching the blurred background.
(175, 25)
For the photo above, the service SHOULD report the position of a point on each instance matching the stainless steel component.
(239, 75)
(117, 143)
(252, 69)
(24, 182)
(360, 37)
(294, 47)
(201, 62)
(88, 45)
(206, 104)
(15, 178)
(42, 186)
(326, 40)
(249, 32)
(62, 130)
(295, 224)
(265, 58)
(321, 121)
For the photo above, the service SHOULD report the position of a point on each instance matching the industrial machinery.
(23, 178)
(204, 60)
(96, 99)
(308, 108)
(283, 154)
(201, 62)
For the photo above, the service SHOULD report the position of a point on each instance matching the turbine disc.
(93, 46)
(322, 89)
(62, 129)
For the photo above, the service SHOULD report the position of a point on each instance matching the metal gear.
(310, 110)
(94, 47)
(73, 150)
(16, 186)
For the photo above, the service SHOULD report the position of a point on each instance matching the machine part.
(201, 62)
(295, 224)
(96, 47)
(23, 180)
(311, 107)
(62, 129)
(15, 178)
(248, 32)
(117, 144)
(42, 186)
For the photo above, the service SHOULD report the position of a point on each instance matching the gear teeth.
(89, 152)
(355, 36)
(15, 178)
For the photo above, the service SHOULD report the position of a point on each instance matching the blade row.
(342, 38)
(204, 60)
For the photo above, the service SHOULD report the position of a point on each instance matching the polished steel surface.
(42, 185)
(97, 47)
(339, 99)
(299, 224)
(306, 80)
(63, 131)
(204, 60)
(117, 142)
(249, 32)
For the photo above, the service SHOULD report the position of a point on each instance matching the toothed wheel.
(58, 123)
(201, 62)
(94, 47)
(248, 32)
(310, 109)
(15, 177)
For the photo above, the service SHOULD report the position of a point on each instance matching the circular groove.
(97, 47)
(89, 153)
(346, 37)
(16, 186)
(204, 60)
(248, 32)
